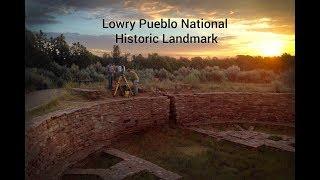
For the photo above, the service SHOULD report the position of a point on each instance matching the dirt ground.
(38, 98)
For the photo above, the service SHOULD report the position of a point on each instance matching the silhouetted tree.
(60, 51)
(116, 53)
(80, 55)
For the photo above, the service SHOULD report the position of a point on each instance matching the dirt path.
(38, 98)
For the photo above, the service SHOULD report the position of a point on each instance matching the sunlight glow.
(271, 48)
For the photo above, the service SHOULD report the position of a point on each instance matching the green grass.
(66, 100)
(44, 108)
(91, 85)
(196, 157)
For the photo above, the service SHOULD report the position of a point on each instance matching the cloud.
(254, 20)
(45, 11)
(282, 10)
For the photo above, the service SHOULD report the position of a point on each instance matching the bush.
(96, 72)
(83, 75)
(74, 73)
(267, 76)
(98, 68)
(163, 74)
(62, 72)
(248, 76)
(278, 86)
(146, 74)
(212, 74)
(36, 81)
(256, 76)
(193, 78)
(288, 78)
(232, 72)
(182, 73)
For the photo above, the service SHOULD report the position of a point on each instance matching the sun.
(270, 47)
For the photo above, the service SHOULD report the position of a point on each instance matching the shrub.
(163, 74)
(98, 68)
(193, 78)
(288, 78)
(36, 81)
(182, 73)
(212, 74)
(277, 86)
(248, 76)
(146, 74)
(232, 72)
(254, 76)
(95, 72)
(84, 75)
(267, 76)
(74, 72)
(62, 72)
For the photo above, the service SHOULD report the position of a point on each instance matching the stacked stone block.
(233, 107)
(52, 138)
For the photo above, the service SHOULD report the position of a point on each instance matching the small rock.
(251, 128)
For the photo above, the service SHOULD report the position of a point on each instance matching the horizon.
(100, 52)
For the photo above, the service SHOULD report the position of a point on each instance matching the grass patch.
(44, 108)
(91, 85)
(100, 160)
(219, 160)
(142, 175)
(66, 100)
(275, 138)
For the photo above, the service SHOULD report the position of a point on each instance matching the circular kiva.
(59, 139)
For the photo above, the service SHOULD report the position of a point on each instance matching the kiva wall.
(270, 108)
(52, 138)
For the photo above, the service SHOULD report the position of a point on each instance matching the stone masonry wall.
(52, 138)
(273, 108)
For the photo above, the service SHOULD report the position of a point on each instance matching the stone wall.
(91, 94)
(273, 108)
(52, 138)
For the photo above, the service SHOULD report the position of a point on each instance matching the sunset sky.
(255, 27)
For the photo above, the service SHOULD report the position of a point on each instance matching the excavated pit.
(60, 140)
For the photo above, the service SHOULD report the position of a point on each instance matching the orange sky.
(255, 27)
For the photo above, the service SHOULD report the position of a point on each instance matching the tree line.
(53, 58)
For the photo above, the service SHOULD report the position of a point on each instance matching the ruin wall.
(52, 138)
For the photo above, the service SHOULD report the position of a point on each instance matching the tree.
(81, 56)
(36, 54)
(60, 51)
(116, 54)
(41, 43)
